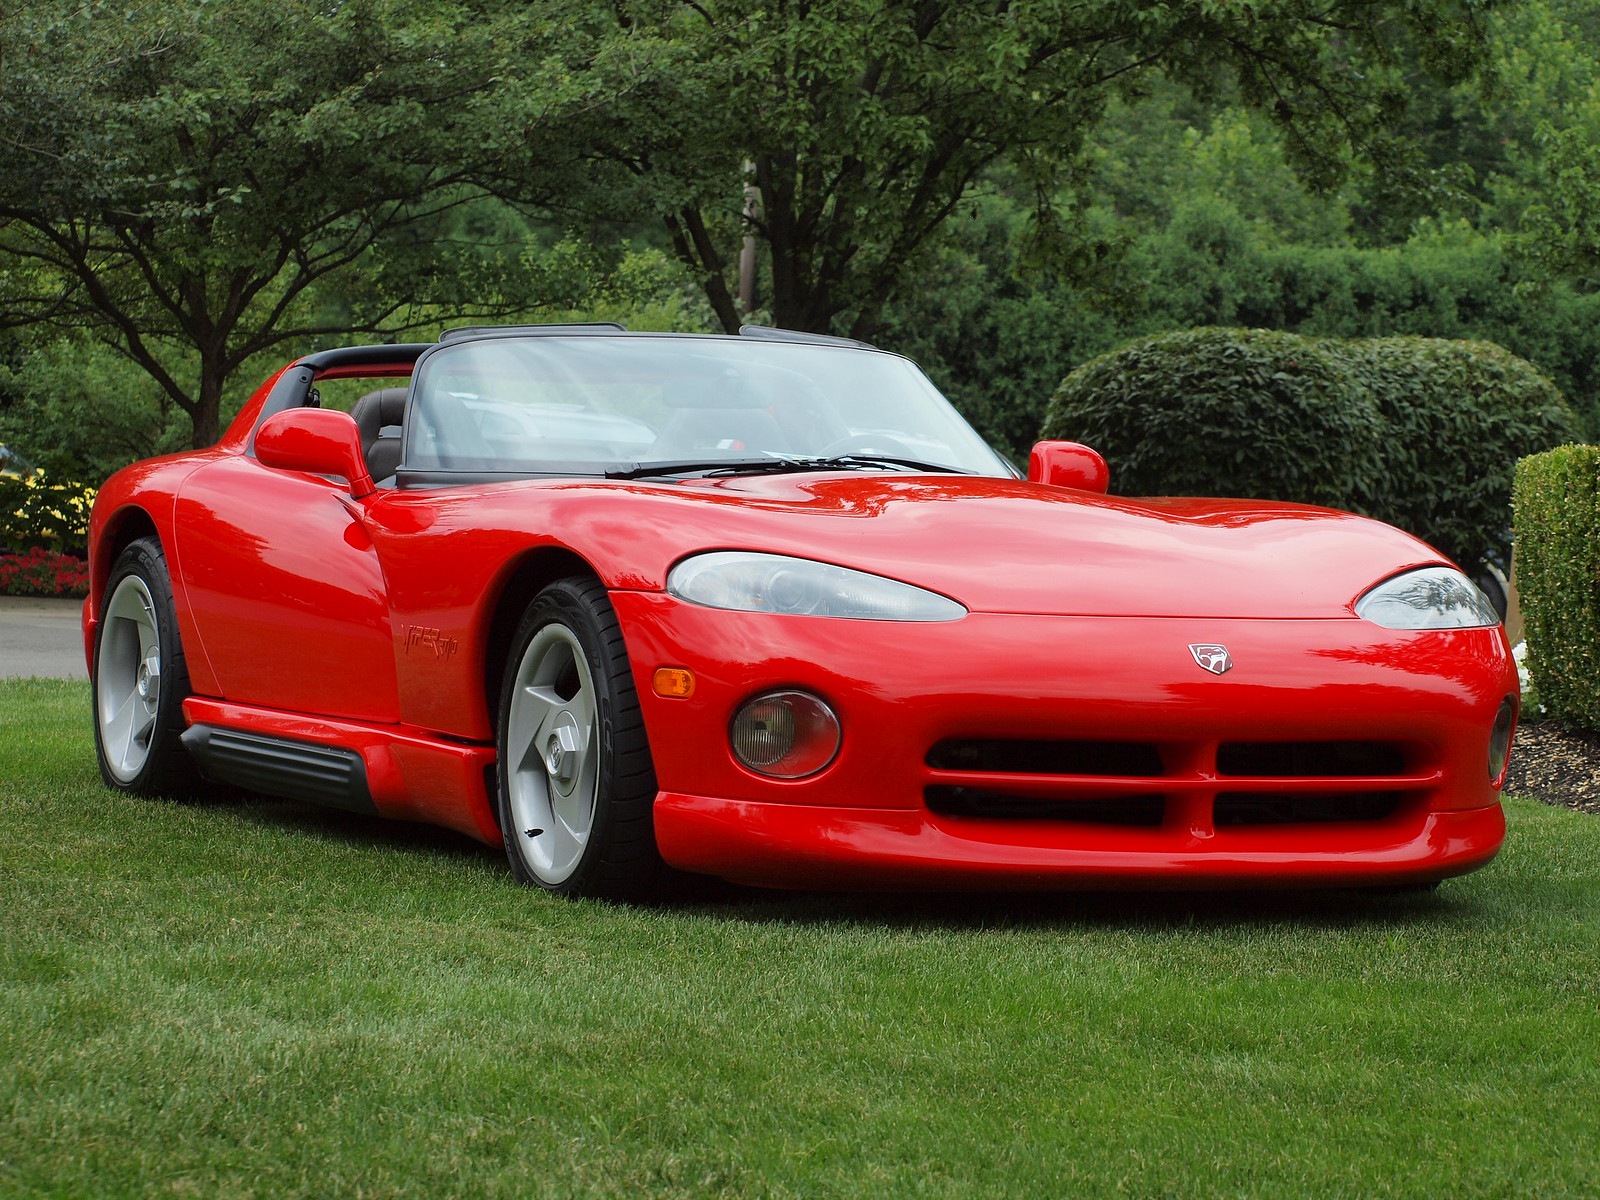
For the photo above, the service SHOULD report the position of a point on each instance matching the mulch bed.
(1557, 765)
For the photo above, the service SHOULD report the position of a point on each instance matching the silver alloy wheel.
(552, 754)
(128, 678)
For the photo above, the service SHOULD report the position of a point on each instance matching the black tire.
(141, 679)
(576, 784)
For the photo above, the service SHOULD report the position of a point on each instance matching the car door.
(286, 591)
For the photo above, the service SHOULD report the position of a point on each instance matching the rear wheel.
(141, 678)
(576, 783)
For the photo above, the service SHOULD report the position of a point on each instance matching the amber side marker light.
(675, 683)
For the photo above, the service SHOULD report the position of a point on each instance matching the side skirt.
(321, 774)
(396, 771)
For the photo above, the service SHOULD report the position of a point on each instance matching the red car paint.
(372, 622)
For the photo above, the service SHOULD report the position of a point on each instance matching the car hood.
(1009, 546)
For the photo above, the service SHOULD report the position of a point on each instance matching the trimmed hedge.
(1420, 432)
(1557, 506)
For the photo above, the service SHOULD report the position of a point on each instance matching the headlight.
(775, 583)
(1428, 598)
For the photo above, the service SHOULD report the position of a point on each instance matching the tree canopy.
(861, 125)
(194, 181)
(1001, 189)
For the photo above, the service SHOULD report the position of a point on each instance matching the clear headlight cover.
(746, 581)
(1428, 598)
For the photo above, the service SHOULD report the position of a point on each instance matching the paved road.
(41, 637)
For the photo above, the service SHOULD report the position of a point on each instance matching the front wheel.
(576, 782)
(141, 679)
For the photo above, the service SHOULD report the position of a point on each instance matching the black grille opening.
(1302, 808)
(1001, 756)
(1146, 809)
(1310, 760)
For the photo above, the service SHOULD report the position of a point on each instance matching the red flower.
(43, 573)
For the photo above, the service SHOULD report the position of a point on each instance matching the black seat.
(379, 415)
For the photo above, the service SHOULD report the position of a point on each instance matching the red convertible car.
(764, 607)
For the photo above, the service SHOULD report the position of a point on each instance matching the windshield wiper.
(875, 460)
(697, 466)
(775, 464)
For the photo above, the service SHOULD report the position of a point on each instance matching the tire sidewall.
(163, 767)
(565, 603)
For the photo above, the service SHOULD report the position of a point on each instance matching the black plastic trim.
(430, 477)
(364, 356)
(468, 332)
(293, 388)
(767, 333)
(1145, 810)
(330, 775)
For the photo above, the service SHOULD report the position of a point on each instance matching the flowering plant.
(42, 572)
(35, 513)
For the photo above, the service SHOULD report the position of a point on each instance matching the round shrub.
(1223, 412)
(1457, 417)
(1420, 432)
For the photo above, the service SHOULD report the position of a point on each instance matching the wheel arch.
(526, 578)
(127, 525)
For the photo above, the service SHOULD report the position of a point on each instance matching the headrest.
(386, 406)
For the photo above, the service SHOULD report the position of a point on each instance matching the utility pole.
(747, 253)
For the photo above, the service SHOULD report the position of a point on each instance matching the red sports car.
(764, 607)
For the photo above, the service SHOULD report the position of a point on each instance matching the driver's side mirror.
(320, 441)
(1069, 464)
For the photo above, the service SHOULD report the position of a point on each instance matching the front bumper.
(784, 845)
(882, 816)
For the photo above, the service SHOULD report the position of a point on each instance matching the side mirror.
(318, 440)
(1069, 464)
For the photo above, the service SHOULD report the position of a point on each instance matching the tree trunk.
(207, 415)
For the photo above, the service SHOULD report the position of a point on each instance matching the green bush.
(1557, 506)
(1447, 281)
(37, 514)
(1223, 412)
(1418, 432)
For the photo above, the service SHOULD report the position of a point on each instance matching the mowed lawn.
(263, 999)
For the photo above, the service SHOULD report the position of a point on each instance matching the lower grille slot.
(1309, 760)
(1000, 756)
(1302, 808)
(1141, 810)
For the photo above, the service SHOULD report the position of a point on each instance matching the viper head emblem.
(1213, 658)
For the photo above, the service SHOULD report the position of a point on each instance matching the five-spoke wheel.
(551, 725)
(140, 679)
(576, 784)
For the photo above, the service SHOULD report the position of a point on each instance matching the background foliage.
(192, 193)
(1419, 432)
(1558, 571)
(38, 513)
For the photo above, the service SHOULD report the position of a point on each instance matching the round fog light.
(1500, 737)
(786, 735)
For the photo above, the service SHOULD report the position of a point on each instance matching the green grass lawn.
(264, 999)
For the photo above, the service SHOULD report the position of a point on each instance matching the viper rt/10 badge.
(1213, 658)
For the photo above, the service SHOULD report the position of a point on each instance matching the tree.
(862, 124)
(190, 181)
